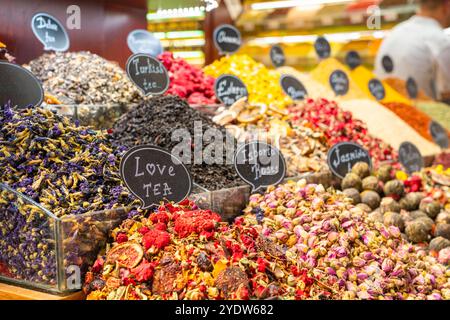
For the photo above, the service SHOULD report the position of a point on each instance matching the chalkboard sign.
(229, 89)
(227, 38)
(410, 157)
(292, 87)
(142, 41)
(322, 47)
(277, 56)
(148, 74)
(339, 82)
(439, 134)
(411, 88)
(376, 88)
(388, 64)
(19, 86)
(152, 174)
(343, 156)
(50, 32)
(352, 59)
(259, 164)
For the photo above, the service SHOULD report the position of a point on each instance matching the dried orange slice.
(127, 254)
(252, 114)
(50, 99)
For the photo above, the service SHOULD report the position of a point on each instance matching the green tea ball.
(371, 198)
(430, 207)
(362, 169)
(384, 173)
(389, 204)
(439, 243)
(364, 207)
(393, 219)
(411, 201)
(417, 231)
(371, 183)
(376, 215)
(394, 188)
(351, 180)
(353, 194)
(442, 230)
(443, 217)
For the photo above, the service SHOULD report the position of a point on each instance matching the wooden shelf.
(10, 292)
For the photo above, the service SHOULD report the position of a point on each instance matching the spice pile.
(168, 121)
(181, 252)
(263, 85)
(438, 111)
(68, 170)
(84, 78)
(353, 255)
(400, 86)
(187, 81)
(394, 199)
(339, 125)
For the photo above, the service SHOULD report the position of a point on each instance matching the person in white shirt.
(419, 48)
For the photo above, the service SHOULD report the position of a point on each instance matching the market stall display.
(438, 111)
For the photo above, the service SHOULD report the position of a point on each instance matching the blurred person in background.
(420, 48)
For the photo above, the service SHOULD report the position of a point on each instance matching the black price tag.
(50, 32)
(388, 64)
(19, 86)
(439, 134)
(410, 157)
(142, 41)
(277, 56)
(227, 38)
(343, 156)
(153, 174)
(148, 74)
(339, 82)
(292, 87)
(411, 87)
(352, 59)
(322, 47)
(376, 88)
(229, 89)
(259, 164)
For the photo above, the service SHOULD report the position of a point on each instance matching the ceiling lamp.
(294, 3)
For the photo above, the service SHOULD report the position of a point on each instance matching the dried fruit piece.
(127, 254)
